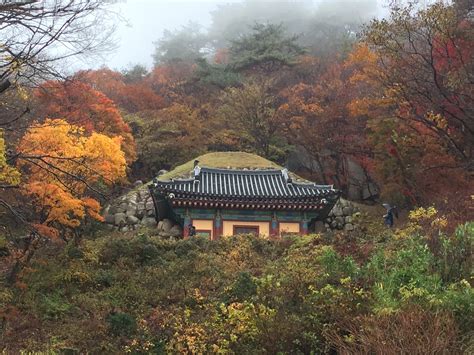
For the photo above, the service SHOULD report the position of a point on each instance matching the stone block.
(120, 219)
(140, 213)
(131, 211)
(149, 205)
(132, 220)
(349, 227)
(148, 222)
(347, 211)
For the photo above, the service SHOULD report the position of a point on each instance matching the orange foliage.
(132, 97)
(83, 106)
(62, 165)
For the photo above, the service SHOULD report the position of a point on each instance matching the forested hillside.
(379, 107)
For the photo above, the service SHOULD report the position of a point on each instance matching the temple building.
(224, 202)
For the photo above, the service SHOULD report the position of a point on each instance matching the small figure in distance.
(192, 230)
(388, 217)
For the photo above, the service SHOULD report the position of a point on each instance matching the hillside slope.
(223, 160)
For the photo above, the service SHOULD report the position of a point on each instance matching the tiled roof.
(248, 184)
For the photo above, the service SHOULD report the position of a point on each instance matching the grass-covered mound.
(223, 160)
(406, 291)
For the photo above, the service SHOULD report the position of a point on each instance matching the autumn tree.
(411, 80)
(315, 117)
(251, 110)
(425, 68)
(62, 167)
(83, 106)
(168, 137)
(131, 95)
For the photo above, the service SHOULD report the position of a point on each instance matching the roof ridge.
(242, 171)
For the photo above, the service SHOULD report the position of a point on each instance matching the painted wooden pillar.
(274, 230)
(217, 232)
(187, 223)
(304, 224)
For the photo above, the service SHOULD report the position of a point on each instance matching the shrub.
(410, 331)
(121, 324)
(243, 288)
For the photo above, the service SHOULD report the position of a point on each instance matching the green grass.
(225, 160)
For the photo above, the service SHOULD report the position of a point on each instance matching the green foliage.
(121, 324)
(267, 47)
(241, 294)
(185, 44)
(455, 261)
(219, 75)
(54, 305)
(243, 288)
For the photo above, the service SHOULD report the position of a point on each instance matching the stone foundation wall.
(135, 210)
(341, 216)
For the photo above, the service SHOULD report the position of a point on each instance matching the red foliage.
(132, 97)
(82, 105)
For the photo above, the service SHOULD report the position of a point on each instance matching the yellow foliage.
(422, 213)
(8, 174)
(62, 164)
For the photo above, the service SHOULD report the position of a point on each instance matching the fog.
(143, 21)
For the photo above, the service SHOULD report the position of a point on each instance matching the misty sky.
(148, 18)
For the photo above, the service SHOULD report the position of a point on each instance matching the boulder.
(162, 172)
(337, 211)
(131, 211)
(339, 220)
(347, 211)
(110, 227)
(132, 220)
(349, 227)
(167, 225)
(160, 225)
(150, 213)
(140, 213)
(120, 219)
(348, 219)
(124, 229)
(148, 222)
(144, 193)
(175, 231)
(149, 205)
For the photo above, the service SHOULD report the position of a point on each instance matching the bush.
(121, 324)
(243, 288)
